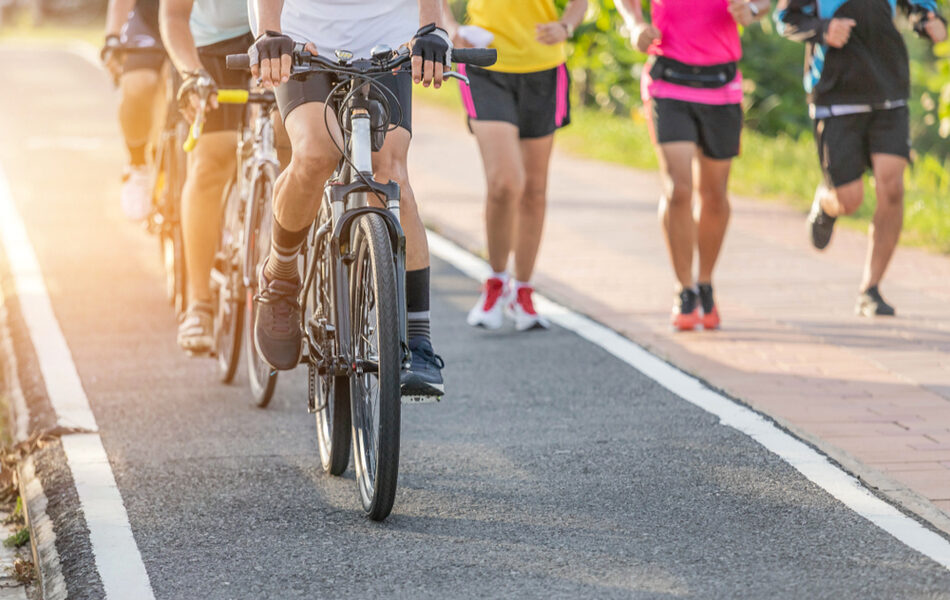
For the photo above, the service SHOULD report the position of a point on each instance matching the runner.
(356, 27)
(199, 34)
(514, 108)
(138, 76)
(692, 93)
(858, 81)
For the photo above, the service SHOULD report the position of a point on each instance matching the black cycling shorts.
(846, 142)
(141, 31)
(227, 117)
(715, 128)
(537, 103)
(316, 87)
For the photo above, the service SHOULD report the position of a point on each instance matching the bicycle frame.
(256, 149)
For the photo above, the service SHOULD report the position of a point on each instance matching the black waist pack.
(709, 76)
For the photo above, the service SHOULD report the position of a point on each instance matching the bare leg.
(504, 173)
(714, 213)
(536, 154)
(676, 214)
(139, 93)
(390, 163)
(885, 230)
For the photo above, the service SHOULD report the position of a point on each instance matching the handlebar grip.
(477, 57)
(233, 96)
(238, 62)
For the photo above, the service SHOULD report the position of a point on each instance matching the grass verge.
(779, 168)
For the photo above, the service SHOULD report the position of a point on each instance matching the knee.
(534, 199)
(138, 86)
(506, 188)
(849, 200)
(890, 189)
(679, 192)
(311, 166)
(714, 201)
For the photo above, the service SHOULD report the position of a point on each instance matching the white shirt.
(354, 25)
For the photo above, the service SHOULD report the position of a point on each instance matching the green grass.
(779, 168)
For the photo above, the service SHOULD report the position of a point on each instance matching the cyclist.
(514, 108)
(858, 81)
(692, 93)
(199, 34)
(357, 27)
(138, 76)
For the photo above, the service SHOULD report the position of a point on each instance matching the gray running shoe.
(821, 223)
(277, 333)
(871, 304)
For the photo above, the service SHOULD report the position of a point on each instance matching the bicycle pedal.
(419, 399)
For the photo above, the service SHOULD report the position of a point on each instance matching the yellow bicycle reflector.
(233, 96)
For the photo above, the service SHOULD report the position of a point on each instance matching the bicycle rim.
(374, 396)
(261, 377)
(227, 285)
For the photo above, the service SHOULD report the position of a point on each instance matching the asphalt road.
(551, 469)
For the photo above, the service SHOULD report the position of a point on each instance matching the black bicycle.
(353, 297)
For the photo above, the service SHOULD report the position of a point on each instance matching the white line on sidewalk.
(118, 560)
(806, 460)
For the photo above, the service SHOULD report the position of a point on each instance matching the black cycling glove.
(196, 82)
(109, 46)
(919, 17)
(432, 43)
(270, 44)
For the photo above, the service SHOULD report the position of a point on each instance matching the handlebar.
(303, 61)
(228, 96)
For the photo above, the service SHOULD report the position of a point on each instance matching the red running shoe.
(708, 305)
(686, 311)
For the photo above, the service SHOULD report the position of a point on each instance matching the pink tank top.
(696, 32)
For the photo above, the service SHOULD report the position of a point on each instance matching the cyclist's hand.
(644, 35)
(431, 54)
(271, 58)
(839, 32)
(196, 86)
(741, 13)
(551, 33)
(936, 28)
(110, 56)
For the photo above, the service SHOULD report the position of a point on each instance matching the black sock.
(284, 248)
(417, 303)
(137, 155)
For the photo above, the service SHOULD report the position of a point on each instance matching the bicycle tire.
(227, 286)
(261, 377)
(374, 272)
(170, 236)
(330, 394)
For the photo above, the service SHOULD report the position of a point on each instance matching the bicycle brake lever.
(455, 75)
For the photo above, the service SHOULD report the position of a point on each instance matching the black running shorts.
(316, 87)
(846, 142)
(715, 128)
(537, 103)
(141, 31)
(227, 117)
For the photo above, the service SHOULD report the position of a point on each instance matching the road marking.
(806, 460)
(118, 560)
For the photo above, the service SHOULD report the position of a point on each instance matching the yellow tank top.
(513, 22)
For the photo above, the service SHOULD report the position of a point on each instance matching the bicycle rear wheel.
(329, 394)
(374, 388)
(170, 235)
(261, 377)
(227, 283)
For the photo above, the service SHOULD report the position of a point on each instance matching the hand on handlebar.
(271, 58)
(197, 94)
(110, 57)
(431, 52)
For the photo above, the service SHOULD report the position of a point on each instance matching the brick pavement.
(873, 394)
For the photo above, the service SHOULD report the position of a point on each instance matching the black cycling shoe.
(422, 382)
(277, 333)
(871, 304)
(822, 224)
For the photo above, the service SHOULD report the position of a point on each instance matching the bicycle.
(353, 294)
(244, 241)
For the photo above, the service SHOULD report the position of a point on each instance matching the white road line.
(806, 460)
(118, 560)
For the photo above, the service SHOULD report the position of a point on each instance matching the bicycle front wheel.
(374, 386)
(227, 283)
(261, 377)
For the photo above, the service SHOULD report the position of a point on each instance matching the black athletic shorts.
(141, 31)
(227, 117)
(846, 142)
(715, 128)
(537, 103)
(316, 87)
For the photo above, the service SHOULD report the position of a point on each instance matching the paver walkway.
(874, 394)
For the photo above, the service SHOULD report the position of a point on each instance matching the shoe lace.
(687, 302)
(282, 296)
(427, 357)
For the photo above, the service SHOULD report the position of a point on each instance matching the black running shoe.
(710, 317)
(822, 224)
(871, 304)
(277, 333)
(422, 382)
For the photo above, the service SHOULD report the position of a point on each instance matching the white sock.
(522, 284)
(503, 276)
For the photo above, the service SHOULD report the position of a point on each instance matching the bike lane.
(551, 467)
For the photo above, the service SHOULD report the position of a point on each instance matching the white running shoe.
(136, 195)
(490, 310)
(521, 309)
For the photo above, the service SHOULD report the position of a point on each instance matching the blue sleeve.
(798, 20)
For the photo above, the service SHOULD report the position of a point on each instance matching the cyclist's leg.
(138, 90)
